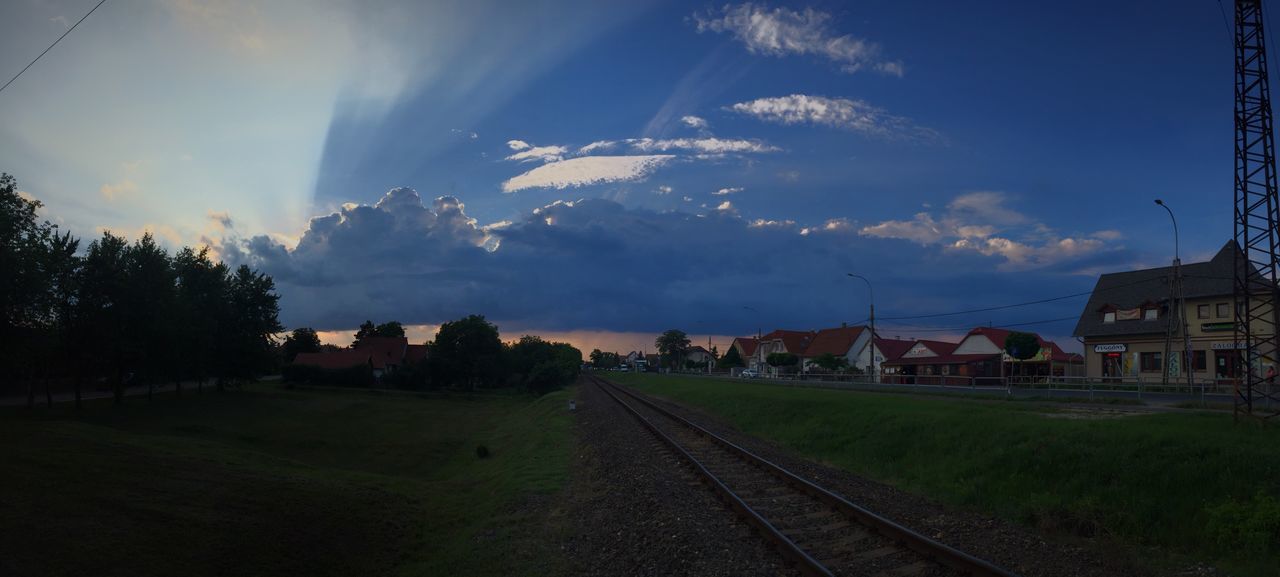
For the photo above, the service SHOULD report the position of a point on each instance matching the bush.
(357, 376)
(1251, 526)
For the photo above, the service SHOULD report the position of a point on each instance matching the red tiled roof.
(384, 351)
(997, 336)
(835, 341)
(414, 353)
(943, 359)
(748, 345)
(938, 347)
(893, 348)
(340, 359)
(793, 342)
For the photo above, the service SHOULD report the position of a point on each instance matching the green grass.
(1171, 486)
(273, 482)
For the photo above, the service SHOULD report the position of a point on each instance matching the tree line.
(467, 354)
(118, 314)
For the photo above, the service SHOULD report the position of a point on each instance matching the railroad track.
(819, 531)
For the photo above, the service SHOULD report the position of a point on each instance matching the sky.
(601, 171)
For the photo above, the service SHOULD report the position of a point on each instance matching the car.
(749, 374)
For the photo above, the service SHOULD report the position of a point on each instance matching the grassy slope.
(287, 483)
(1166, 480)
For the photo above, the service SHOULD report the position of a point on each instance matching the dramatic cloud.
(586, 170)
(782, 32)
(981, 222)
(855, 115)
(728, 190)
(399, 259)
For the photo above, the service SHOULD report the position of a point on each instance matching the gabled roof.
(384, 351)
(1131, 289)
(893, 348)
(340, 359)
(748, 345)
(835, 341)
(698, 349)
(947, 359)
(793, 342)
(939, 348)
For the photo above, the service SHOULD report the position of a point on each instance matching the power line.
(909, 328)
(55, 43)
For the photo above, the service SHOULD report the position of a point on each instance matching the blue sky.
(614, 169)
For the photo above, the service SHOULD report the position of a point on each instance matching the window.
(1202, 312)
(1197, 361)
(1224, 310)
(1150, 362)
(1109, 317)
(1150, 314)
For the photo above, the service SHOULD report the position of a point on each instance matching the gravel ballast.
(635, 509)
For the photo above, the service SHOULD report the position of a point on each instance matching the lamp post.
(757, 351)
(871, 347)
(1181, 304)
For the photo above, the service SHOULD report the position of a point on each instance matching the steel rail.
(786, 546)
(939, 552)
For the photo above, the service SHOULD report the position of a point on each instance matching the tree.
(147, 305)
(389, 329)
(1022, 346)
(466, 352)
(301, 340)
(782, 360)
(731, 359)
(672, 345)
(596, 356)
(367, 329)
(253, 322)
(23, 239)
(202, 294)
(830, 362)
(101, 308)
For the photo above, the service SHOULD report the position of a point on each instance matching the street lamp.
(871, 367)
(1180, 303)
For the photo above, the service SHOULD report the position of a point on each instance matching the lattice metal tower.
(1257, 209)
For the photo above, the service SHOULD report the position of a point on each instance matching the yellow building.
(1125, 323)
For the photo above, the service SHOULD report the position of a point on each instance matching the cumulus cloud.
(517, 144)
(664, 189)
(425, 263)
(694, 122)
(728, 190)
(783, 32)
(587, 170)
(982, 222)
(854, 115)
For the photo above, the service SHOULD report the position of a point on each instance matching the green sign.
(1217, 327)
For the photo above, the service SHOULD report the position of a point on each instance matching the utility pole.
(1257, 212)
(871, 347)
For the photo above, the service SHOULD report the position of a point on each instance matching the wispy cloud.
(119, 190)
(708, 145)
(782, 32)
(855, 115)
(694, 122)
(529, 153)
(221, 219)
(728, 190)
(587, 170)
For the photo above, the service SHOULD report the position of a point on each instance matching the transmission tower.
(1256, 216)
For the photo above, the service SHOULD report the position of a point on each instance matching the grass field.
(1173, 486)
(273, 482)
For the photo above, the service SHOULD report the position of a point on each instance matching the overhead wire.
(55, 43)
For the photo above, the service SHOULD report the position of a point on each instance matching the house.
(780, 341)
(1125, 323)
(382, 354)
(698, 355)
(746, 347)
(848, 343)
(888, 350)
(978, 357)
